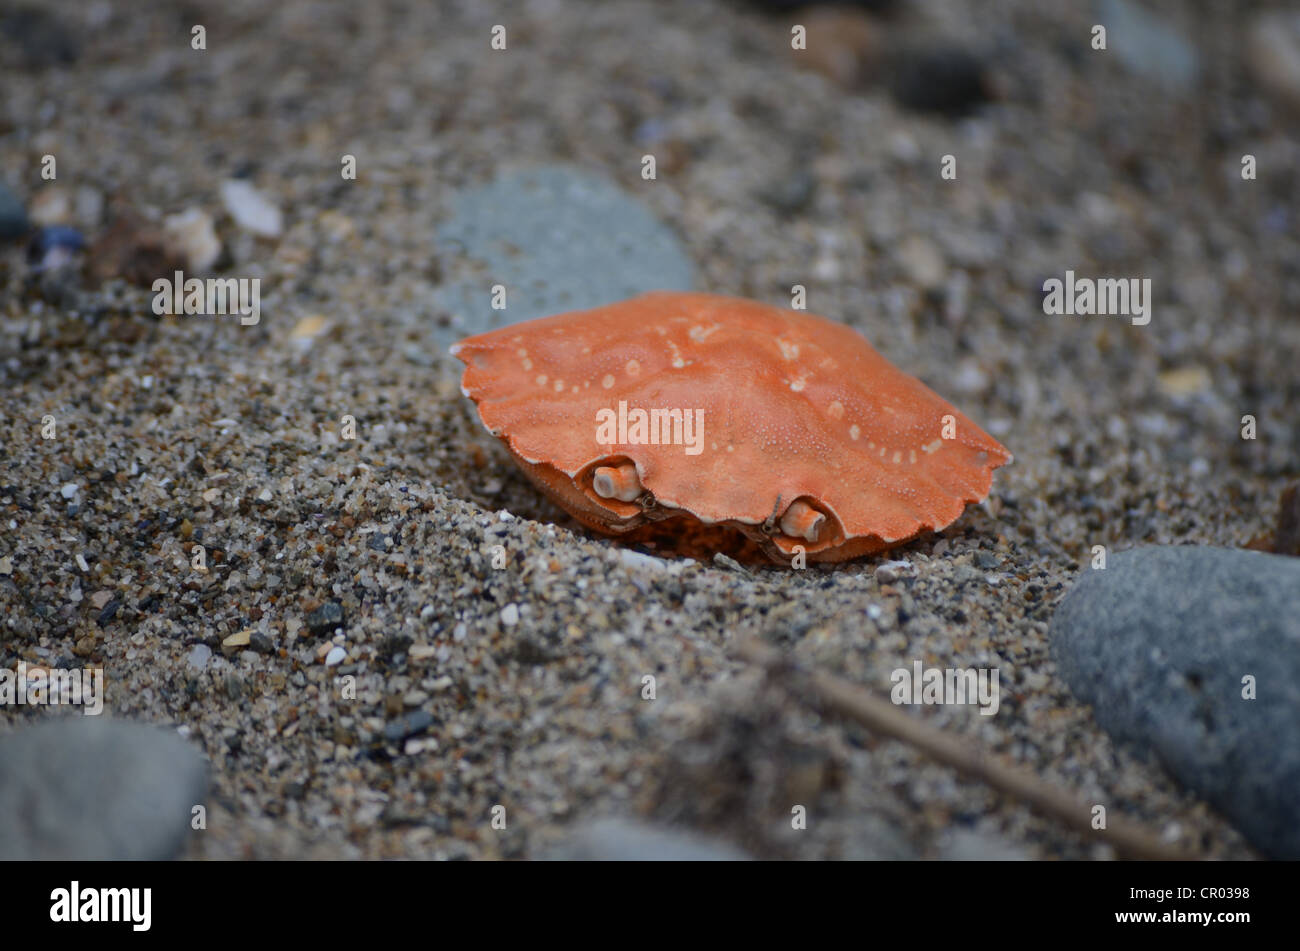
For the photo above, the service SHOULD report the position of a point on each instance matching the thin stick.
(833, 693)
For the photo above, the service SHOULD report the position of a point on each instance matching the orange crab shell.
(795, 408)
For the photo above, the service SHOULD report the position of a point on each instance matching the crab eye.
(618, 482)
(801, 520)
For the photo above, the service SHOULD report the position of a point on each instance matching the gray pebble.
(1159, 643)
(42, 39)
(198, 657)
(409, 724)
(887, 572)
(622, 840)
(91, 789)
(792, 192)
(969, 845)
(1147, 46)
(13, 217)
(1273, 53)
(108, 613)
(325, 618)
(558, 239)
(635, 559)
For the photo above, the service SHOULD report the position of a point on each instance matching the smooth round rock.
(1272, 53)
(557, 239)
(1147, 45)
(13, 216)
(1161, 642)
(91, 789)
(623, 840)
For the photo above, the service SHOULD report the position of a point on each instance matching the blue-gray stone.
(1162, 642)
(1146, 45)
(13, 217)
(408, 724)
(558, 239)
(90, 789)
(39, 37)
(624, 840)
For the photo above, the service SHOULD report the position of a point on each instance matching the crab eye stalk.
(618, 482)
(801, 520)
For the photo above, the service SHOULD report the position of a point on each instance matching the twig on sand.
(846, 699)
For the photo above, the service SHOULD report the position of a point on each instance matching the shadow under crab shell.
(678, 532)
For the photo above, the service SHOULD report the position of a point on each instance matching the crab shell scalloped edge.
(644, 343)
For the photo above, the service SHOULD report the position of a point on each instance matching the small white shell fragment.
(251, 209)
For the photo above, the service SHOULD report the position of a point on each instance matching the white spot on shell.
(788, 350)
(836, 411)
(677, 360)
(898, 455)
(854, 432)
(559, 386)
(608, 381)
(541, 379)
(528, 364)
(633, 368)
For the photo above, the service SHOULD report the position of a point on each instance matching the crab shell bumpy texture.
(796, 408)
